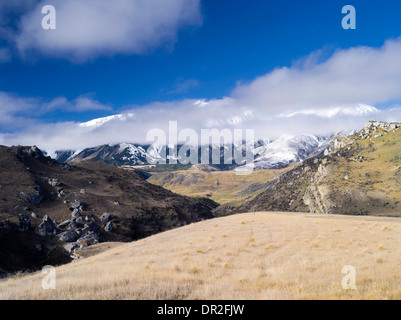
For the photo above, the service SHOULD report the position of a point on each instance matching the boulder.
(70, 247)
(35, 196)
(68, 236)
(46, 228)
(64, 224)
(105, 217)
(109, 227)
(76, 213)
(76, 205)
(35, 152)
(72, 225)
(89, 239)
(92, 226)
(54, 182)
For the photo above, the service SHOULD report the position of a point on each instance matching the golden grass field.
(222, 186)
(248, 256)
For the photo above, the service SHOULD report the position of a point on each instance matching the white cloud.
(81, 104)
(357, 75)
(337, 94)
(87, 29)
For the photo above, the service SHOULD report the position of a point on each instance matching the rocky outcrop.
(47, 228)
(68, 236)
(33, 195)
(376, 129)
(371, 130)
(54, 182)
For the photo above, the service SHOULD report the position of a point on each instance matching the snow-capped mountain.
(288, 149)
(119, 154)
(267, 153)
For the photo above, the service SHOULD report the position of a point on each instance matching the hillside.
(246, 256)
(46, 205)
(359, 175)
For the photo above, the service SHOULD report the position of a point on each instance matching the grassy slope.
(377, 178)
(224, 186)
(361, 178)
(247, 256)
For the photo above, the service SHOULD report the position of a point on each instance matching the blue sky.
(220, 46)
(237, 41)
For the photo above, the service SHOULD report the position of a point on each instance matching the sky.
(279, 67)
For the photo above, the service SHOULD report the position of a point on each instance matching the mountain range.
(268, 152)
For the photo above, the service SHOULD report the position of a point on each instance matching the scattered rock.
(76, 213)
(105, 217)
(109, 227)
(46, 228)
(77, 205)
(35, 152)
(35, 196)
(54, 182)
(92, 226)
(68, 236)
(90, 239)
(72, 225)
(64, 224)
(34, 215)
(70, 247)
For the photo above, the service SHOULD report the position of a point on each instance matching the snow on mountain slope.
(267, 153)
(288, 149)
(101, 121)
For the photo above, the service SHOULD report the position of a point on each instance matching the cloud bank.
(340, 93)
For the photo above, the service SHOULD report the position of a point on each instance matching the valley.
(279, 233)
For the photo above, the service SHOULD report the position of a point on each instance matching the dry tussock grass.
(262, 256)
